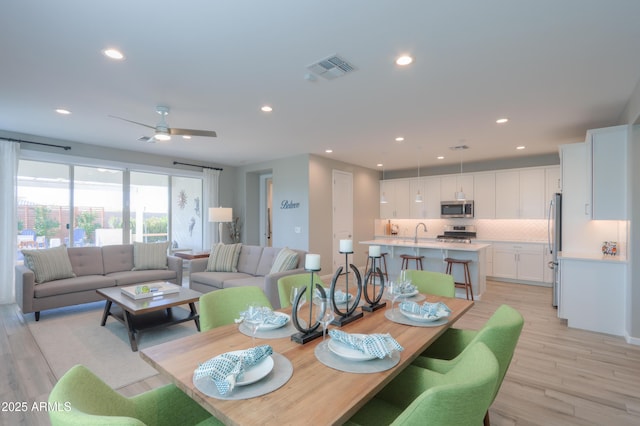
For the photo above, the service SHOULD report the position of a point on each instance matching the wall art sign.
(289, 204)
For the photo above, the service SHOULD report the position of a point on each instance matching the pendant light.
(460, 195)
(383, 197)
(418, 194)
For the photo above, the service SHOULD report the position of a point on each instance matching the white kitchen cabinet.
(484, 195)
(432, 197)
(520, 194)
(607, 164)
(397, 193)
(593, 295)
(520, 262)
(449, 185)
(576, 207)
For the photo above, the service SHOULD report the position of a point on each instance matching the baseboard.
(632, 340)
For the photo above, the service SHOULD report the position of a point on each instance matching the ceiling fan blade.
(134, 122)
(192, 132)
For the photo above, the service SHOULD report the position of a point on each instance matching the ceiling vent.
(331, 68)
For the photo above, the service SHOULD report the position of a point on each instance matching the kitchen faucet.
(415, 237)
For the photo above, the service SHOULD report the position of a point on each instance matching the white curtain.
(210, 189)
(9, 153)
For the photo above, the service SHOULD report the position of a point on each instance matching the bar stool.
(467, 276)
(383, 265)
(407, 257)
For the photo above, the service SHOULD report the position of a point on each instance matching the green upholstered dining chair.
(285, 284)
(435, 283)
(222, 307)
(500, 333)
(83, 399)
(418, 396)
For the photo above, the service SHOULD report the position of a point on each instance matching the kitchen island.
(434, 253)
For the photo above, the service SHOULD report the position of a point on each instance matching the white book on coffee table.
(153, 289)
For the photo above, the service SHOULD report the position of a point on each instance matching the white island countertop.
(426, 244)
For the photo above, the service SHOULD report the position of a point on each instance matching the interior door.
(342, 213)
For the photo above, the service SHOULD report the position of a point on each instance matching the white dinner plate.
(420, 318)
(255, 373)
(266, 327)
(403, 295)
(347, 352)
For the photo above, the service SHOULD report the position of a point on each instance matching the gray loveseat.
(254, 266)
(94, 268)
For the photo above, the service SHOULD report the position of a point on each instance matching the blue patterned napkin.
(378, 345)
(407, 288)
(426, 310)
(340, 296)
(265, 315)
(225, 369)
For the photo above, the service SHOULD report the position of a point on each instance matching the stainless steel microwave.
(456, 209)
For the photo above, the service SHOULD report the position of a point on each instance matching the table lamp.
(220, 215)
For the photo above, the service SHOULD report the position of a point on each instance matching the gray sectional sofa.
(254, 266)
(94, 268)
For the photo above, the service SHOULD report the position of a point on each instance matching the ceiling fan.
(162, 130)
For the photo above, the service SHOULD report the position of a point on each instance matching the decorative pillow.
(224, 258)
(150, 256)
(286, 260)
(49, 264)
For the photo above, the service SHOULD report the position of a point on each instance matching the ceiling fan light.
(162, 136)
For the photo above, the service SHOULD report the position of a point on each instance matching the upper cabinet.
(520, 194)
(449, 185)
(607, 172)
(553, 185)
(429, 188)
(397, 194)
(484, 200)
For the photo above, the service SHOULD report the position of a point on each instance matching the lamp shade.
(220, 214)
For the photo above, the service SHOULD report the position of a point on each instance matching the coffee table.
(149, 313)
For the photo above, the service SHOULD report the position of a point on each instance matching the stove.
(457, 234)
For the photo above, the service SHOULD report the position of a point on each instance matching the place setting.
(419, 315)
(262, 322)
(243, 374)
(358, 353)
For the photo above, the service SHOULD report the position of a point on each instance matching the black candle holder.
(309, 333)
(350, 314)
(372, 274)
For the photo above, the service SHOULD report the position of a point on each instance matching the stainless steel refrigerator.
(554, 235)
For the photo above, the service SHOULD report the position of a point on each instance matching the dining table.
(315, 393)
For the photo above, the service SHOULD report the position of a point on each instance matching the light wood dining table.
(315, 394)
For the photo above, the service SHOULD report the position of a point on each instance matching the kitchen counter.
(426, 243)
(434, 253)
(592, 257)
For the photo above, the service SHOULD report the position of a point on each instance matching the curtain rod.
(66, 148)
(197, 165)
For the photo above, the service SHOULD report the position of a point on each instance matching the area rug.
(73, 335)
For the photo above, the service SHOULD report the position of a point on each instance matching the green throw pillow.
(224, 258)
(286, 260)
(150, 256)
(49, 264)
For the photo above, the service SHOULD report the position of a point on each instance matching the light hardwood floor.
(558, 376)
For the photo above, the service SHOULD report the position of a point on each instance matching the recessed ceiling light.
(113, 54)
(520, 147)
(186, 137)
(63, 111)
(266, 108)
(440, 157)
(404, 60)
(399, 139)
(502, 120)
(328, 151)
